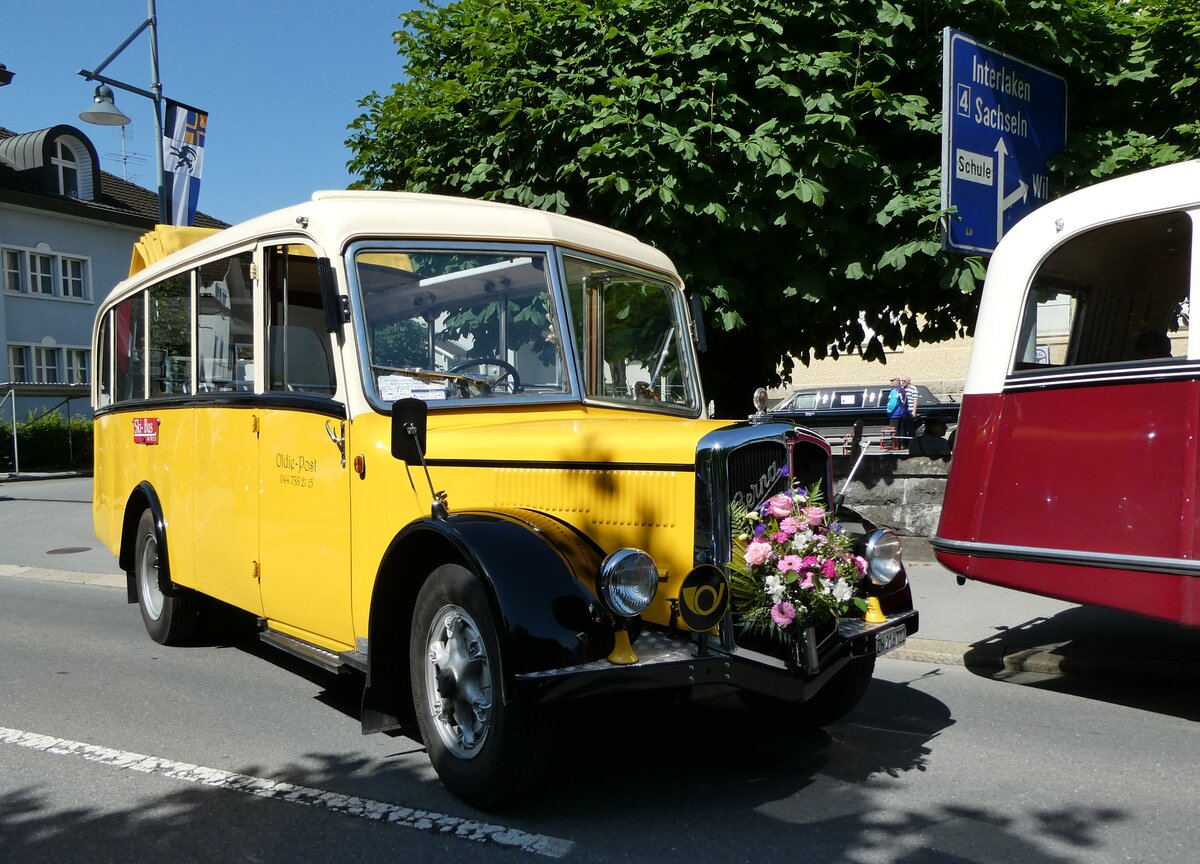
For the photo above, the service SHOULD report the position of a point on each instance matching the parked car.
(833, 411)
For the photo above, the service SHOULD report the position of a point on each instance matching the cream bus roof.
(1020, 253)
(333, 217)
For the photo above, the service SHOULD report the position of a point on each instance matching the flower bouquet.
(790, 568)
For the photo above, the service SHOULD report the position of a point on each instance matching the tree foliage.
(784, 153)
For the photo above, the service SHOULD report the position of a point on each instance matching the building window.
(12, 270)
(45, 365)
(77, 366)
(18, 363)
(68, 169)
(73, 282)
(41, 273)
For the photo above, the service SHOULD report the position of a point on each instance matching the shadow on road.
(1100, 654)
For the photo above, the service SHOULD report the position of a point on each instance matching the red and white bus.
(1076, 470)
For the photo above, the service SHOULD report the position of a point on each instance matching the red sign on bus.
(145, 430)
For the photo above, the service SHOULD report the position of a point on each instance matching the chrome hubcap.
(458, 682)
(148, 587)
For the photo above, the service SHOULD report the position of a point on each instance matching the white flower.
(774, 586)
(801, 539)
(842, 591)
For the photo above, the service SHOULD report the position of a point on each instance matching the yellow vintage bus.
(459, 448)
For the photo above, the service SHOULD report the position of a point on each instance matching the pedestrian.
(910, 394)
(897, 407)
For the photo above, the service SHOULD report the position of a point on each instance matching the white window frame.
(45, 361)
(69, 281)
(28, 278)
(39, 279)
(66, 166)
(78, 365)
(18, 357)
(14, 277)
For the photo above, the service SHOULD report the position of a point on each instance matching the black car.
(833, 412)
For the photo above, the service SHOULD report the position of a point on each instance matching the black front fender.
(539, 575)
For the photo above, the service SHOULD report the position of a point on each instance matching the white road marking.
(349, 805)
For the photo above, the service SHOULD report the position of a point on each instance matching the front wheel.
(487, 752)
(169, 612)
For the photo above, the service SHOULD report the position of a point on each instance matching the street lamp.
(5, 76)
(104, 111)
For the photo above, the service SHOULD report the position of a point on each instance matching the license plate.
(890, 640)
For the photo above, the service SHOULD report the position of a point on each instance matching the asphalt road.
(113, 748)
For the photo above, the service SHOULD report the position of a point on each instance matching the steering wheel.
(510, 372)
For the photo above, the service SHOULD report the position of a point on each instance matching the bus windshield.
(456, 325)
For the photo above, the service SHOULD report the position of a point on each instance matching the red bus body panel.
(1108, 469)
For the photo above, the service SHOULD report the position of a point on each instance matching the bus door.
(304, 524)
(224, 471)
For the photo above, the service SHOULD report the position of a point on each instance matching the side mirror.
(699, 336)
(408, 430)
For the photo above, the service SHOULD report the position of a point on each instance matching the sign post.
(1002, 120)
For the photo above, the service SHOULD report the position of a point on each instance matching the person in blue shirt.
(897, 407)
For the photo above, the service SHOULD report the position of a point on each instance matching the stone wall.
(899, 492)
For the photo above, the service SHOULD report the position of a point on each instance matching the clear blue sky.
(280, 81)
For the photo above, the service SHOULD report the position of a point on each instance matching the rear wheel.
(840, 695)
(487, 752)
(168, 611)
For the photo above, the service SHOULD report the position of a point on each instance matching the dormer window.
(67, 169)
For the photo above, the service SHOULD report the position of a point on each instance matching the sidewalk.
(995, 629)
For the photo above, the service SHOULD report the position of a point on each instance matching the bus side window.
(129, 349)
(298, 358)
(1116, 294)
(103, 370)
(171, 336)
(225, 319)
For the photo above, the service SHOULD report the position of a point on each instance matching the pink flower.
(790, 563)
(783, 614)
(790, 526)
(814, 514)
(758, 552)
(780, 538)
(780, 506)
(810, 562)
(829, 569)
(807, 582)
(861, 563)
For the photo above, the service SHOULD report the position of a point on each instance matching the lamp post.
(104, 111)
(5, 76)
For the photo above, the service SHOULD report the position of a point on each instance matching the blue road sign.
(1002, 120)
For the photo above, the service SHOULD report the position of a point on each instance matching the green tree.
(785, 153)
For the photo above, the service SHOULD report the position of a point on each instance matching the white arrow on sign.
(1003, 202)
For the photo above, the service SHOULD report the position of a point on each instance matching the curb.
(1064, 659)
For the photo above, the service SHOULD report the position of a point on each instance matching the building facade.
(67, 231)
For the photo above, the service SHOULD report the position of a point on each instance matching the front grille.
(756, 472)
(744, 464)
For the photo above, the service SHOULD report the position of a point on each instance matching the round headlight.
(628, 581)
(882, 551)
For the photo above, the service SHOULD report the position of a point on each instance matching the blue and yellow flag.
(184, 131)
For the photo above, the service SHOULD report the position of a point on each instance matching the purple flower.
(783, 614)
(760, 528)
